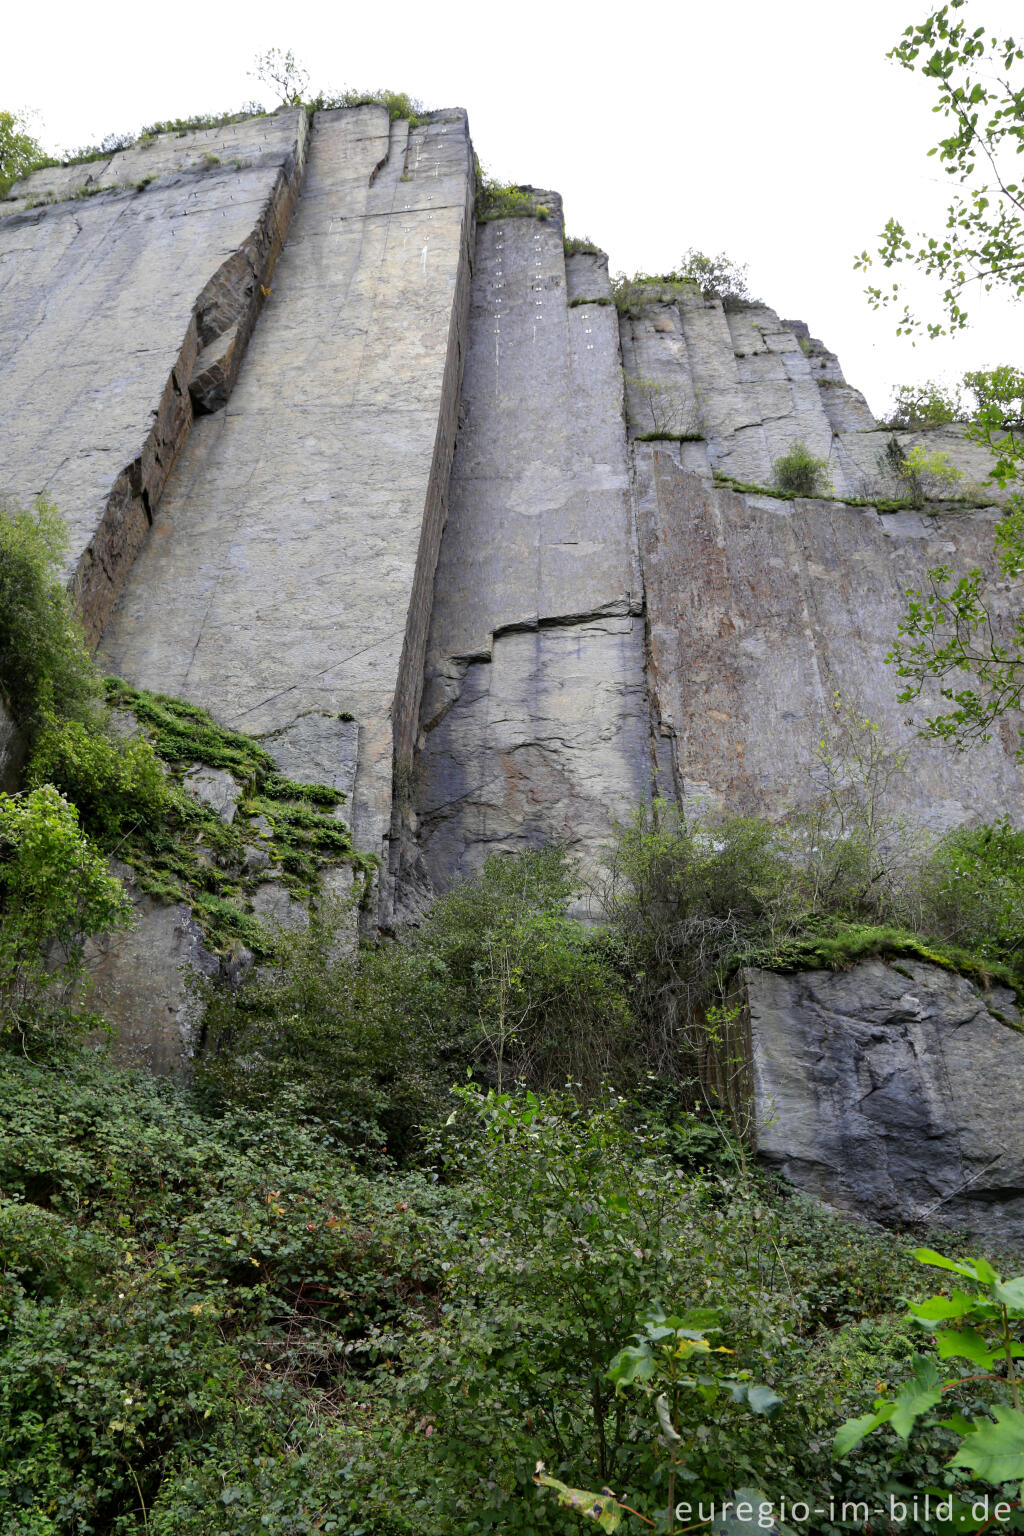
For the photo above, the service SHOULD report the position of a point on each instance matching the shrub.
(537, 995)
(499, 978)
(577, 245)
(44, 663)
(799, 473)
(570, 1224)
(398, 103)
(974, 894)
(717, 277)
(659, 412)
(506, 200)
(335, 1032)
(917, 407)
(117, 786)
(20, 153)
(55, 891)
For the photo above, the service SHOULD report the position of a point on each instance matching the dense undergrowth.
(372, 1263)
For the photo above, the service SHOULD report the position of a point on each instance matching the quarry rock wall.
(128, 289)
(291, 567)
(403, 494)
(535, 724)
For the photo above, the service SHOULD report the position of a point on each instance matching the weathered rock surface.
(290, 568)
(893, 1091)
(535, 725)
(761, 609)
(139, 981)
(107, 302)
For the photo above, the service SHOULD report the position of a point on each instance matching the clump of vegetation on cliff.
(118, 756)
(712, 277)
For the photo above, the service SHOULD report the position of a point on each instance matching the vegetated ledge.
(283, 831)
(602, 298)
(880, 503)
(669, 437)
(837, 945)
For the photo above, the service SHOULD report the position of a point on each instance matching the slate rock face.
(287, 581)
(894, 1091)
(126, 306)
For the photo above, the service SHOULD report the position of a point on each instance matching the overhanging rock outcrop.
(894, 1090)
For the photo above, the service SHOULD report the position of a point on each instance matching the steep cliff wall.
(535, 722)
(290, 570)
(125, 306)
(449, 533)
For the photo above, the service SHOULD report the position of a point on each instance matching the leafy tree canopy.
(982, 105)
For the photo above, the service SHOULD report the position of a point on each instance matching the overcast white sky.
(777, 132)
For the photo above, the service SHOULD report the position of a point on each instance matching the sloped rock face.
(894, 1091)
(111, 296)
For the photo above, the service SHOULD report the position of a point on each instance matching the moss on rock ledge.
(279, 831)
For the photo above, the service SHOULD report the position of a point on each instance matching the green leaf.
(602, 1507)
(964, 1344)
(634, 1363)
(939, 1308)
(939, 1261)
(854, 1430)
(1010, 1294)
(916, 1396)
(995, 1451)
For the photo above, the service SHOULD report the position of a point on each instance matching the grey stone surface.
(317, 748)
(299, 532)
(760, 609)
(753, 385)
(138, 981)
(105, 303)
(216, 788)
(12, 752)
(535, 723)
(893, 1091)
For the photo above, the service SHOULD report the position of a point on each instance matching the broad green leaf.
(995, 1451)
(1011, 1294)
(602, 1507)
(964, 1344)
(634, 1363)
(916, 1396)
(853, 1431)
(940, 1308)
(939, 1261)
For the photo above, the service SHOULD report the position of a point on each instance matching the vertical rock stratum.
(405, 495)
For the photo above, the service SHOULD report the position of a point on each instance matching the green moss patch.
(188, 854)
(839, 945)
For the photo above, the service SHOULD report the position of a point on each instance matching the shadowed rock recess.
(405, 497)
